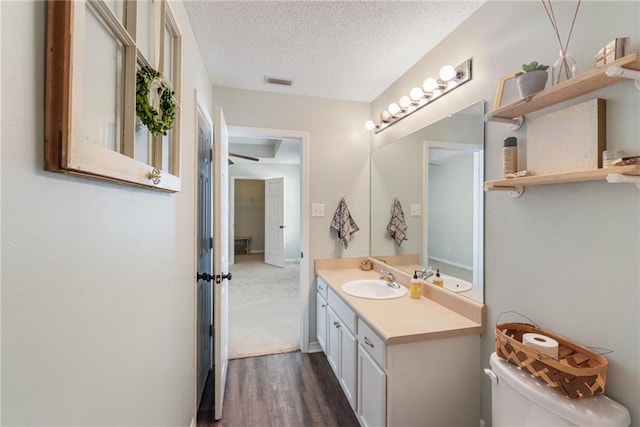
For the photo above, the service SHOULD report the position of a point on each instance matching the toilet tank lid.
(598, 410)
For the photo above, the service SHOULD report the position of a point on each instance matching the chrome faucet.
(390, 279)
(425, 273)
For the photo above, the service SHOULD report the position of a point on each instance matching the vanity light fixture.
(393, 109)
(430, 85)
(449, 78)
(405, 103)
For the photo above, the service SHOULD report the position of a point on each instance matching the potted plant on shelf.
(532, 78)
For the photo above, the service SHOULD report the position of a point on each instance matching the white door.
(274, 221)
(221, 259)
(205, 249)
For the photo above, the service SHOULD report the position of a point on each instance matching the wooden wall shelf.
(587, 82)
(517, 184)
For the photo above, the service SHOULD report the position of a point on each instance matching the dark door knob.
(226, 276)
(205, 276)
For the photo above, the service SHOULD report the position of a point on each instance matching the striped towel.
(397, 227)
(342, 223)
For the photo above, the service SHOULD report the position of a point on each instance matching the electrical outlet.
(317, 209)
(416, 209)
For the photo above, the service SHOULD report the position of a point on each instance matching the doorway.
(260, 287)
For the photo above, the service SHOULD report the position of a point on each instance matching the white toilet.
(520, 399)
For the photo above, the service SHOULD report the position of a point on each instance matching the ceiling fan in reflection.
(242, 156)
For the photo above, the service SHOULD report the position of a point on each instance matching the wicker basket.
(578, 372)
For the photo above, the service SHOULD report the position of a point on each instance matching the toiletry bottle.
(510, 155)
(416, 286)
(438, 281)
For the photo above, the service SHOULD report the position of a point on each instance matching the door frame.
(305, 262)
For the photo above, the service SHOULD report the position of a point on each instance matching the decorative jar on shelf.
(563, 69)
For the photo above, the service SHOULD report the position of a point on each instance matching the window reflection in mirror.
(438, 172)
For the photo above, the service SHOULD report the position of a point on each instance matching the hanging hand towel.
(397, 227)
(342, 223)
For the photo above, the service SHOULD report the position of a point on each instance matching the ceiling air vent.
(275, 81)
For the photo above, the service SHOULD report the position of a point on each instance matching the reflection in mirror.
(437, 174)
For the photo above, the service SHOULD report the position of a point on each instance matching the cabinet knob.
(323, 305)
(367, 342)
(336, 324)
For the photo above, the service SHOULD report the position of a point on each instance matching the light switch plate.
(317, 209)
(416, 209)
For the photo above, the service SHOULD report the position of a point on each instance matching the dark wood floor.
(290, 389)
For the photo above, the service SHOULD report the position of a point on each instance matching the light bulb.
(369, 125)
(447, 73)
(416, 93)
(430, 85)
(393, 108)
(404, 102)
(385, 116)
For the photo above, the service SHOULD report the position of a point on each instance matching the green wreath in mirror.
(158, 119)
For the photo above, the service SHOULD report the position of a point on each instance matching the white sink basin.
(373, 289)
(454, 284)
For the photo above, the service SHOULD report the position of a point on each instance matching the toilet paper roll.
(542, 343)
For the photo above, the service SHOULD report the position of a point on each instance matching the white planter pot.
(532, 82)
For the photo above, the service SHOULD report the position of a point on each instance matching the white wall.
(564, 255)
(291, 174)
(98, 289)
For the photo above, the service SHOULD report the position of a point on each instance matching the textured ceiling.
(351, 50)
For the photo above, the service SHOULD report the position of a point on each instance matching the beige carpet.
(264, 308)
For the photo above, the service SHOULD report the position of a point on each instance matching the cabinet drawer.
(322, 287)
(372, 343)
(343, 311)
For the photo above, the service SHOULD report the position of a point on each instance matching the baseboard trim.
(314, 347)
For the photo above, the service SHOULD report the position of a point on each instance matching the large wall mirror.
(436, 173)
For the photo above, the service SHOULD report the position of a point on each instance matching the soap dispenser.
(438, 281)
(416, 286)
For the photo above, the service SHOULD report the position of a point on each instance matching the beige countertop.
(401, 320)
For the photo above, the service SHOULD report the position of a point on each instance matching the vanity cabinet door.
(333, 341)
(372, 391)
(348, 364)
(321, 321)
(342, 349)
